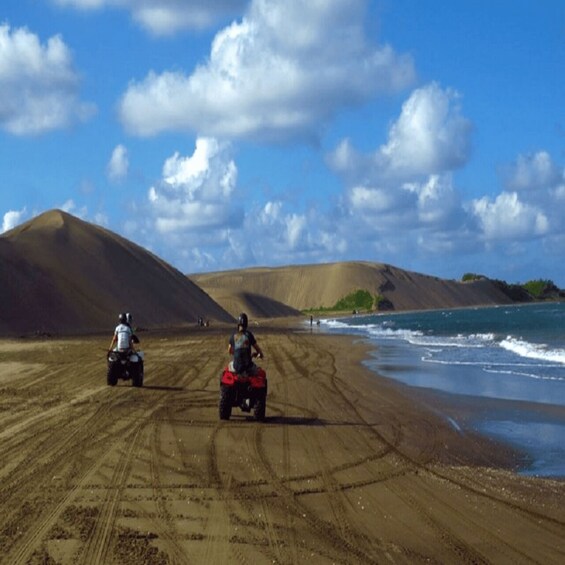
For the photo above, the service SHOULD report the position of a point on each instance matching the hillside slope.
(312, 286)
(63, 275)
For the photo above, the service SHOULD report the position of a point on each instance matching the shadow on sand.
(156, 387)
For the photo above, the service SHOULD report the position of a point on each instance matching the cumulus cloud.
(118, 165)
(431, 136)
(196, 192)
(287, 229)
(507, 218)
(166, 17)
(408, 180)
(533, 172)
(38, 86)
(401, 198)
(282, 71)
(288, 236)
(13, 218)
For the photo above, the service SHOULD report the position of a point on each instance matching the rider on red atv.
(240, 346)
(242, 383)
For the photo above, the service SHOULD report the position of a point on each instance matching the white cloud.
(287, 236)
(533, 172)
(507, 218)
(196, 192)
(295, 228)
(166, 17)
(407, 181)
(369, 201)
(438, 202)
(118, 165)
(430, 137)
(282, 71)
(101, 218)
(13, 218)
(38, 86)
(70, 207)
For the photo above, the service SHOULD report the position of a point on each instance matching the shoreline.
(521, 419)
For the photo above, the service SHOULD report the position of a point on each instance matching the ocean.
(511, 353)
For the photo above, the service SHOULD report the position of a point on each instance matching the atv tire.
(111, 375)
(260, 407)
(225, 402)
(137, 377)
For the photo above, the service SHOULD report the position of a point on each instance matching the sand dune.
(63, 275)
(312, 286)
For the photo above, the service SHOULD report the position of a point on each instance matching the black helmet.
(129, 318)
(122, 318)
(242, 320)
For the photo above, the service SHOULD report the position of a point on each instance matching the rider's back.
(241, 343)
(123, 333)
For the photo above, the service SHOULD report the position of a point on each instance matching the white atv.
(125, 365)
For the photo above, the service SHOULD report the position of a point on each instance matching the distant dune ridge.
(60, 274)
(312, 286)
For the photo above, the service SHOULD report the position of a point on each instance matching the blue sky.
(227, 134)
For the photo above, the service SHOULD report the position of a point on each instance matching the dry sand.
(347, 468)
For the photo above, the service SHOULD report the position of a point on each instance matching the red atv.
(249, 392)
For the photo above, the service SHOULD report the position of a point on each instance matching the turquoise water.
(514, 353)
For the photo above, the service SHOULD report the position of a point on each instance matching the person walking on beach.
(240, 346)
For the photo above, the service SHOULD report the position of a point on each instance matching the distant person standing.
(240, 346)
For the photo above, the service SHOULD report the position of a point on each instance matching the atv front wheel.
(225, 402)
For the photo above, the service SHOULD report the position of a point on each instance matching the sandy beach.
(347, 468)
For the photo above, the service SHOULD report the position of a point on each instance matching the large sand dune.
(313, 286)
(61, 274)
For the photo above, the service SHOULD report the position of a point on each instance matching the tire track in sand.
(99, 544)
(463, 552)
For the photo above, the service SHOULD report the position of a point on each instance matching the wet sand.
(347, 468)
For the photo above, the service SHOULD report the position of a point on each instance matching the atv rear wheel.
(111, 375)
(260, 407)
(137, 377)
(225, 402)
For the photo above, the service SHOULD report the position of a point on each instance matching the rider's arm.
(230, 349)
(114, 339)
(259, 350)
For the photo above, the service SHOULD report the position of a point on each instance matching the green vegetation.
(471, 277)
(539, 288)
(358, 300)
